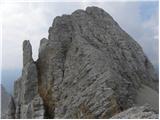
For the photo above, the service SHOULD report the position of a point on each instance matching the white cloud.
(21, 21)
(31, 21)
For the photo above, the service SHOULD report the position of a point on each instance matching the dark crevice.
(46, 93)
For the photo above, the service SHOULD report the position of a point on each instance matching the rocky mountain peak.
(87, 68)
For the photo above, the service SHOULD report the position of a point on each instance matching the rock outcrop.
(5, 97)
(27, 101)
(87, 68)
(11, 109)
(142, 112)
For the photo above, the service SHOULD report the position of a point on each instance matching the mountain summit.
(87, 68)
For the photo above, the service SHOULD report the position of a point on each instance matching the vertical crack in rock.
(45, 79)
(87, 68)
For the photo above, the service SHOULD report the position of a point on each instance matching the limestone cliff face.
(87, 68)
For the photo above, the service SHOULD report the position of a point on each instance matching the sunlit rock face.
(87, 68)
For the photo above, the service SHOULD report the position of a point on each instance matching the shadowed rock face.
(87, 68)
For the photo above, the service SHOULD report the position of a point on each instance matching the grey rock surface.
(27, 52)
(5, 97)
(28, 103)
(141, 112)
(147, 95)
(87, 68)
(11, 109)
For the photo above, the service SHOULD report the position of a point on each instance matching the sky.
(31, 20)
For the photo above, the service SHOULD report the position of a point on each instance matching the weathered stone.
(35, 108)
(147, 95)
(97, 53)
(88, 68)
(142, 112)
(28, 103)
(11, 109)
(27, 52)
(5, 97)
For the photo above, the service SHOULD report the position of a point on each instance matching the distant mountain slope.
(8, 78)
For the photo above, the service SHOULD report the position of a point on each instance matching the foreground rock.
(87, 68)
(137, 113)
(5, 97)
(11, 109)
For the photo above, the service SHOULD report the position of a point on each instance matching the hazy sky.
(31, 20)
